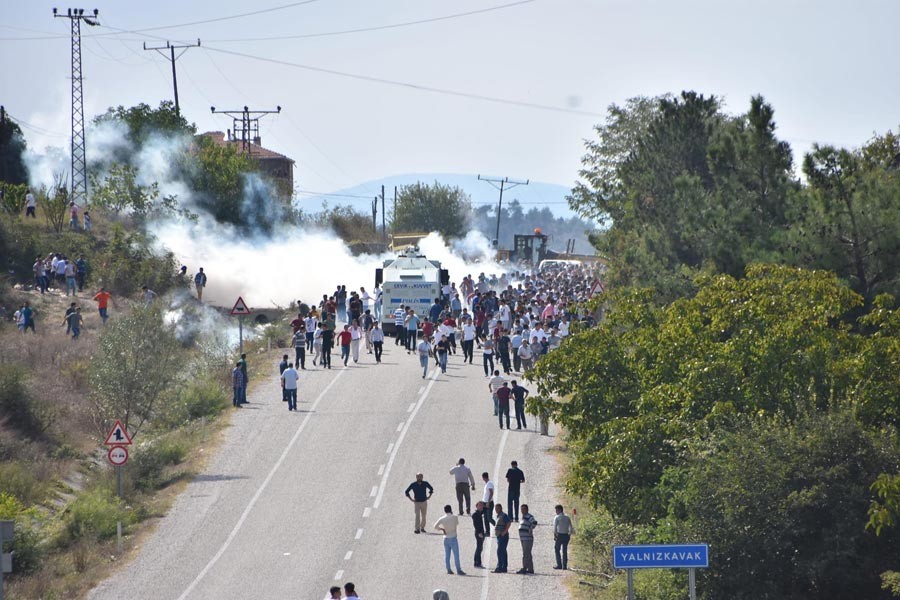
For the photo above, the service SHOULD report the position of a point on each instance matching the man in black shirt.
(519, 394)
(421, 492)
(514, 479)
(482, 521)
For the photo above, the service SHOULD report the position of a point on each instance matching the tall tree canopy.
(12, 150)
(437, 207)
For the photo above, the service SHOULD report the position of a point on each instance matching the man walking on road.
(464, 478)
(424, 351)
(377, 341)
(495, 384)
(562, 533)
(519, 394)
(281, 368)
(289, 379)
(350, 591)
(448, 525)
(421, 492)
(514, 480)
(503, 395)
(501, 529)
(526, 537)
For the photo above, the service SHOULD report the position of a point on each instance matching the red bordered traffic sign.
(117, 436)
(117, 455)
(240, 307)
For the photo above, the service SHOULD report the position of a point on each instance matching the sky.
(828, 67)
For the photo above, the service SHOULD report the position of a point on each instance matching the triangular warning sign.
(117, 436)
(240, 307)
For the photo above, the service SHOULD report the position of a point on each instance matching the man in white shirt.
(495, 384)
(468, 339)
(30, 205)
(310, 323)
(488, 495)
(289, 379)
(448, 525)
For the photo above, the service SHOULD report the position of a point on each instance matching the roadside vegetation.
(742, 387)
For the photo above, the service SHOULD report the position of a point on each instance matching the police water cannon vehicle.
(411, 280)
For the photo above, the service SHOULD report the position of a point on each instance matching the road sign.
(7, 531)
(240, 308)
(117, 436)
(117, 455)
(654, 556)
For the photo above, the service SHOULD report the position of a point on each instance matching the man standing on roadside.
(448, 525)
(237, 382)
(501, 530)
(243, 364)
(421, 492)
(562, 532)
(514, 480)
(289, 380)
(464, 478)
(526, 537)
(282, 366)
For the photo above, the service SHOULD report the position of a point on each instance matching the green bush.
(19, 479)
(150, 461)
(27, 547)
(94, 514)
(17, 407)
(191, 401)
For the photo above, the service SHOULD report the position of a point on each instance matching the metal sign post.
(239, 310)
(658, 556)
(7, 534)
(118, 441)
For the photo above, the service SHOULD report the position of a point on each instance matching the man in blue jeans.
(448, 525)
(289, 379)
(501, 530)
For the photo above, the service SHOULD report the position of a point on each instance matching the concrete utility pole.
(247, 122)
(505, 183)
(383, 228)
(79, 158)
(172, 58)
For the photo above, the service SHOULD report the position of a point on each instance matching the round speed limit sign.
(117, 455)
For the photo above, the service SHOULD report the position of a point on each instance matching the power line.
(412, 86)
(376, 27)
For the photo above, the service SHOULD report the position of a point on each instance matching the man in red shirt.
(344, 338)
(102, 299)
(296, 324)
(503, 395)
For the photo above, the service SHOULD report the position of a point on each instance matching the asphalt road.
(296, 502)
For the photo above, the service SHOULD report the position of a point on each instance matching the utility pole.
(375, 214)
(79, 157)
(247, 122)
(383, 228)
(172, 58)
(505, 183)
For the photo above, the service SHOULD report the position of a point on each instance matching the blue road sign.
(670, 556)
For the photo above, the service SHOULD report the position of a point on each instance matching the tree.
(56, 202)
(438, 207)
(141, 122)
(648, 380)
(781, 505)
(136, 361)
(12, 151)
(216, 174)
(849, 220)
(685, 188)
